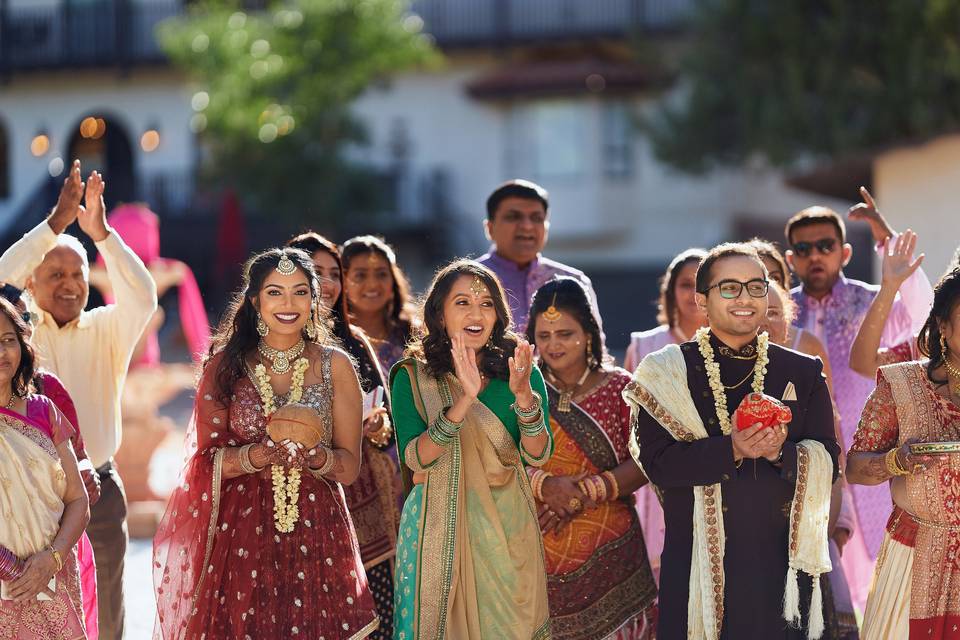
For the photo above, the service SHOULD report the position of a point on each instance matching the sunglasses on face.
(731, 289)
(824, 246)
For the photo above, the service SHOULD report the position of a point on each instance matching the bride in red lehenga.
(257, 541)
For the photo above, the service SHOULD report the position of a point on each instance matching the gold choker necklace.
(281, 361)
(953, 375)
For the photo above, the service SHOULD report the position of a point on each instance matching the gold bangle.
(894, 468)
(327, 465)
(56, 558)
(246, 465)
(612, 479)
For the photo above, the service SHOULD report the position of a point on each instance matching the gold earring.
(943, 346)
(311, 329)
(262, 327)
(591, 360)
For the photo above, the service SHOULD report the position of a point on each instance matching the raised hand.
(68, 203)
(465, 367)
(520, 365)
(93, 216)
(898, 262)
(868, 212)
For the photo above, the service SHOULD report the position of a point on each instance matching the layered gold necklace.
(566, 395)
(281, 360)
(953, 375)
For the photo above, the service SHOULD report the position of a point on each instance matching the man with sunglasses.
(711, 473)
(832, 307)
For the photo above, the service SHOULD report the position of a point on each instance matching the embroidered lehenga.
(916, 589)
(222, 570)
(469, 556)
(599, 581)
(32, 486)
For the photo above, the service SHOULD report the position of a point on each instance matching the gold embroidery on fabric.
(32, 434)
(211, 526)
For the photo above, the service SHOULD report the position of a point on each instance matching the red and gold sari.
(32, 485)
(221, 569)
(916, 588)
(599, 582)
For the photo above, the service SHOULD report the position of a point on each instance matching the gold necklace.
(566, 395)
(281, 361)
(953, 375)
(747, 377)
(13, 399)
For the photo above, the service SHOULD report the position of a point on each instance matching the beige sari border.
(211, 525)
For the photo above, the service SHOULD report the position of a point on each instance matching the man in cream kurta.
(90, 352)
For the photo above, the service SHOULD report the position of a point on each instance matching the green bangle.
(443, 431)
(530, 412)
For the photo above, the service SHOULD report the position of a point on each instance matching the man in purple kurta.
(832, 307)
(517, 226)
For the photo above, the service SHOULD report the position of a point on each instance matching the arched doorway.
(101, 144)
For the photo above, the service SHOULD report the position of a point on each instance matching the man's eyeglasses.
(824, 246)
(731, 289)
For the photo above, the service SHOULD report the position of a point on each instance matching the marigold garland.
(286, 486)
(713, 373)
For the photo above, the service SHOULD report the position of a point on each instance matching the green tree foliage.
(274, 89)
(801, 79)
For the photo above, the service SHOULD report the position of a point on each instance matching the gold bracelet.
(539, 477)
(56, 558)
(894, 468)
(613, 484)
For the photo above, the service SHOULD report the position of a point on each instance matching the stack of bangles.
(596, 487)
(11, 566)
(327, 465)
(245, 465)
(530, 419)
(537, 478)
(894, 467)
(443, 430)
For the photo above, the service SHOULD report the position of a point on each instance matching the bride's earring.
(262, 327)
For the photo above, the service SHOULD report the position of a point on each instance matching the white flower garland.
(286, 487)
(713, 373)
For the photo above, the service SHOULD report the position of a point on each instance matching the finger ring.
(520, 369)
(575, 504)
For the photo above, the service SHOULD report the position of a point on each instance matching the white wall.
(916, 187)
(56, 103)
(595, 220)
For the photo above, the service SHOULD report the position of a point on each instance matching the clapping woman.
(469, 409)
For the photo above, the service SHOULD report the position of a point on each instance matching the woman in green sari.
(468, 411)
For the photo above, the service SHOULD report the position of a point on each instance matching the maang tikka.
(286, 266)
(477, 288)
(552, 314)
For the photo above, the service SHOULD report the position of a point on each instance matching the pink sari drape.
(140, 230)
(32, 507)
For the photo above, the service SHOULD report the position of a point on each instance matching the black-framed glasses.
(731, 289)
(824, 246)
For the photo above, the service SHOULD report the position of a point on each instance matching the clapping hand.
(898, 262)
(93, 217)
(520, 365)
(68, 203)
(868, 212)
(465, 367)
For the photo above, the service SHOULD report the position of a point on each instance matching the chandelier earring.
(944, 349)
(591, 359)
(311, 328)
(262, 327)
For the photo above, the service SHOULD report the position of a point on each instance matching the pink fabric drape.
(140, 230)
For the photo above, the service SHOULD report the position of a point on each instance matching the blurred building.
(549, 90)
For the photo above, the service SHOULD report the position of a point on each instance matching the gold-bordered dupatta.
(477, 575)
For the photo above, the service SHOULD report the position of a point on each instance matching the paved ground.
(138, 591)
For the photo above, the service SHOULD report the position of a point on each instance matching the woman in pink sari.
(43, 503)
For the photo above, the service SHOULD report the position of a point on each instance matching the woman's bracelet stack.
(443, 430)
(531, 419)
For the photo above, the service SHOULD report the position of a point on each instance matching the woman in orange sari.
(43, 503)
(599, 582)
(916, 588)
